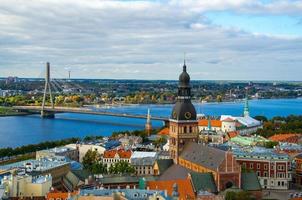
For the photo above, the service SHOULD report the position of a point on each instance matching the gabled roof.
(203, 155)
(246, 121)
(175, 172)
(249, 181)
(203, 182)
(121, 153)
(205, 122)
(164, 164)
(185, 188)
(228, 119)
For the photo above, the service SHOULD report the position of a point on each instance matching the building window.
(258, 165)
(265, 166)
(265, 174)
(190, 129)
(258, 173)
(244, 165)
(251, 165)
(280, 167)
(185, 129)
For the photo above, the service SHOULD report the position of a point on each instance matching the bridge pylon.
(47, 89)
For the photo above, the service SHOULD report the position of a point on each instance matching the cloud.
(142, 40)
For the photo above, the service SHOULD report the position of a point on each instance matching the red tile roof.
(289, 137)
(185, 188)
(121, 152)
(205, 122)
(164, 131)
(233, 134)
(228, 120)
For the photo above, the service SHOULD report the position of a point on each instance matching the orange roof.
(185, 188)
(121, 152)
(228, 120)
(233, 134)
(59, 195)
(214, 122)
(289, 137)
(164, 131)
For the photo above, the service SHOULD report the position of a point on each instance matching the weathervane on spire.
(184, 67)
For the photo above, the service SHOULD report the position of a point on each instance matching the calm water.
(17, 131)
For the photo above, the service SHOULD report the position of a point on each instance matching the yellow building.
(27, 185)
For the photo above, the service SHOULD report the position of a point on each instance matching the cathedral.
(183, 122)
(183, 142)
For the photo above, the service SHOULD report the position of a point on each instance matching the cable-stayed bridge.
(48, 109)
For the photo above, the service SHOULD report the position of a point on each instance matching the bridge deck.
(84, 111)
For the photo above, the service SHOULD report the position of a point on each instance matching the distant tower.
(148, 123)
(47, 87)
(209, 124)
(246, 112)
(175, 194)
(183, 121)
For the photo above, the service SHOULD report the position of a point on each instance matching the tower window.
(190, 129)
(185, 129)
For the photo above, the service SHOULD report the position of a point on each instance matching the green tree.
(230, 195)
(90, 158)
(121, 167)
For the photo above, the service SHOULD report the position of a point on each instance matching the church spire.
(209, 124)
(148, 125)
(246, 112)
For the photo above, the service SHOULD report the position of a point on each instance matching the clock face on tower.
(188, 115)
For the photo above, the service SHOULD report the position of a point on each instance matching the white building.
(83, 148)
(244, 125)
(113, 156)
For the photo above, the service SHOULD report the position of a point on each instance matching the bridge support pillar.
(47, 114)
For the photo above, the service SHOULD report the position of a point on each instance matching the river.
(21, 130)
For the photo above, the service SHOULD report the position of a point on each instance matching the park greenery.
(92, 163)
(281, 125)
(5, 111)
(241, 195)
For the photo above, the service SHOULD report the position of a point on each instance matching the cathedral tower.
(183, 120)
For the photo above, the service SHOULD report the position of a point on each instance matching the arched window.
(185, 129)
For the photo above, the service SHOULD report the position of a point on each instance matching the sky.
(222, 39)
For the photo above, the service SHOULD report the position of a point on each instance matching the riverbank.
(8, 111)
(117, 105)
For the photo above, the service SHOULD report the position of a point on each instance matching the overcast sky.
(223, 39)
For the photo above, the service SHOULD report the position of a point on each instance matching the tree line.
(280, 125)
(8, 152)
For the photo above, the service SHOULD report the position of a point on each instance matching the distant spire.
(184, 67)
(175, 193)
(148, 123)
(148, 117)
(209, 124)
(246, 111)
